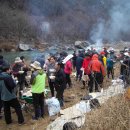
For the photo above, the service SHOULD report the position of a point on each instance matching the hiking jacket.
(104, 61)
(60, 78)
(7, 86)
(49, 72)
(38, 81)
(96, 65)
(86, 66)
(68, 67)
(110, 63)
(79, 62)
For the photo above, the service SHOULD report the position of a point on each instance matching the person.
(1, 102)
(37, 81)
(60, 83)
(26, 69)
(106, 52)
(1, 106)
(98, 72)
(74, 60)
(103, 58)
(2, 61)
(110, 69)
(125, 68)
(8, 96)
(18, 69)
(86, 69)
(50, 73)
(79, 62)
(68, 70)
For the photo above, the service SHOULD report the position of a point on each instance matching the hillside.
(64, 20)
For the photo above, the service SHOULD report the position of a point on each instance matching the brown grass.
(113, 115)
(7, 46)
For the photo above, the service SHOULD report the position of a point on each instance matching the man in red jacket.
(86, 68)
(98, 72)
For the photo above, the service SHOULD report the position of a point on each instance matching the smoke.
(38, 18)
(45, 27)
(116, 26)
(97, 33)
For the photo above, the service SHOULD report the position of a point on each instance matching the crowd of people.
(91, 68)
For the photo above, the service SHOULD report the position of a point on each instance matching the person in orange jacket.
(98, 72)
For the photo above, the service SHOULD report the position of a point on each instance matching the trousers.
(38, 103)
(7, 112)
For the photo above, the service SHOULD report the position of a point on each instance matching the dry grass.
(8, 46)
(113, 115)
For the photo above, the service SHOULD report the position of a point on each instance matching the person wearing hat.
(125, 67)
(38, 82)
(18, 71)
(106, 52)
(26, 69)
(98, 72)
(8, 96)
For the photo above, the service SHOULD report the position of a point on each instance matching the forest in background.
(58, 21)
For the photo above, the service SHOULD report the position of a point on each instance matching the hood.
(3, 75)
(95, 57)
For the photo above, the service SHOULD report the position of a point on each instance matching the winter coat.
(110, 63)
(60, 79)
(68, 67)
(37, 81)
(7, 86)
(86, 66)
(96, 65)
(51, 67)
(79, 62)
(104, 61)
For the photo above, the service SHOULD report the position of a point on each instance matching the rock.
(13, 50)
(81, 44)
(24, 47)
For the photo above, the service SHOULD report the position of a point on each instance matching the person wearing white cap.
(18, 71)
(38, 80)
(125, 67)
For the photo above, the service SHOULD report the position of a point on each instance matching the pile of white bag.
(53, 106)
(77, 112)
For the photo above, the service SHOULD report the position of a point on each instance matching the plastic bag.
(53, 106)
(83, 107)
(85, 77)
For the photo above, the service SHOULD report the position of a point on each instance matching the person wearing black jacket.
(60, 83)
(8, 96)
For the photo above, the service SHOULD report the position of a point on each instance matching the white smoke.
(116, 26)
(97, 33)
(45, 27)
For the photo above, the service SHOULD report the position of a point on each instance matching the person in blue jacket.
(79, 62)
(110, 65)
